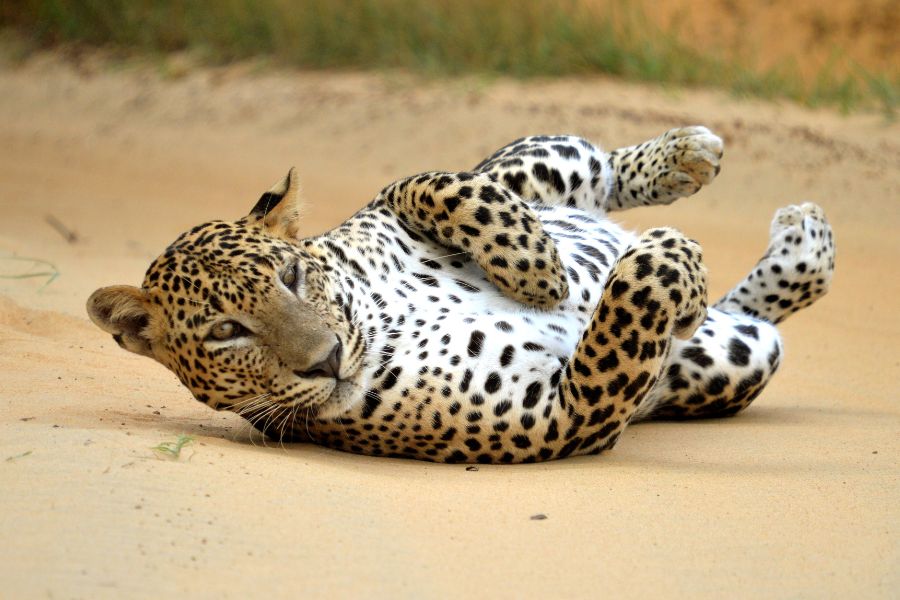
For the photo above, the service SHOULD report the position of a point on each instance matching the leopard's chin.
(346, 393)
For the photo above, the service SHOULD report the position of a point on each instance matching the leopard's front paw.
(659, 171)
(532, 275)
(687, 159)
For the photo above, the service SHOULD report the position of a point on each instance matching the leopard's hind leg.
(655, 295)
(718, 372)
(731, 358)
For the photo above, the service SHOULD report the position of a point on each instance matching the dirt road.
(797, 497)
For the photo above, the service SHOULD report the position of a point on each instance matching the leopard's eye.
(227, 330)
(289, 276)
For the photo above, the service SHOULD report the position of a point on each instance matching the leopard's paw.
(687, 158)
(672, 265)
(799, 263)
(795, 271)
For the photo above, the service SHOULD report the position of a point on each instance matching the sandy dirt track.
(797, 497)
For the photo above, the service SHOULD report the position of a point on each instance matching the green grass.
(523, 38)
(36, 268)
(173, 449)
(18, 456)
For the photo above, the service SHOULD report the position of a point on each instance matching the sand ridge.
(796, 497)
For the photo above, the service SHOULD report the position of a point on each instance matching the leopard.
(497, 315)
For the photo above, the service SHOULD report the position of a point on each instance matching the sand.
(796, 497)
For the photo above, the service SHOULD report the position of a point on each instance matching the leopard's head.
(244, 313)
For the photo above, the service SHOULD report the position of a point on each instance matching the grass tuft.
(18, 456)
(37, 268)
(439, 37)
(172, 450)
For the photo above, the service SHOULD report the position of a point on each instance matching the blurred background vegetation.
(839, 53)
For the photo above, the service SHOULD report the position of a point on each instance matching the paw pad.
(690, 160)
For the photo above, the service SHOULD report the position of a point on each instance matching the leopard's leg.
(725, 366)
(656, 293)
(672, 166)
(471, 213)
(718, 372)
(795, 271)
(557, 170)
(570, 171)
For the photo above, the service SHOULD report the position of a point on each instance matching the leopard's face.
(250, 320)
(246, 318)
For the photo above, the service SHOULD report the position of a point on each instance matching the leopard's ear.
(122, 310)
(278, 210)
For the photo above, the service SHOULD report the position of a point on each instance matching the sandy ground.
(797, 497)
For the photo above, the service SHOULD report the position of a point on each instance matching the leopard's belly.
(445, 331)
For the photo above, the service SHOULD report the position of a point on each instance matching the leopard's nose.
(330, 367)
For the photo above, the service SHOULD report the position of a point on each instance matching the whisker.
(293, 421)
(271, 413)
(242, 404)
(267, 414)
(448, 255)
(306, 422)
(252, 407)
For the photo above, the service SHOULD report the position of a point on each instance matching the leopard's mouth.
(345, 393)
(328, 390)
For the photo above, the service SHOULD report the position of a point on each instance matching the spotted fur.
(491, 316)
